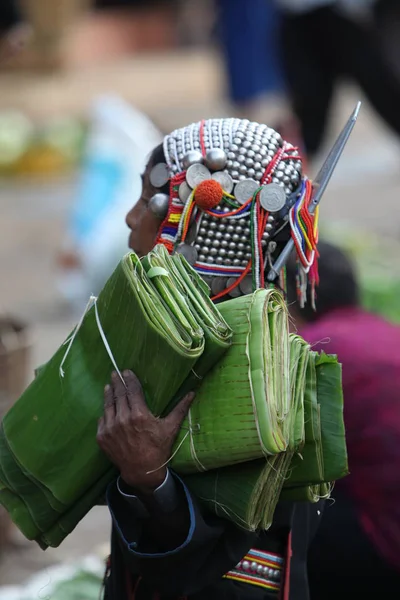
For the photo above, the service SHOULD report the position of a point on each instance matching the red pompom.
(209, 194)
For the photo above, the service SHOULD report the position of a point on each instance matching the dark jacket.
(213, 546)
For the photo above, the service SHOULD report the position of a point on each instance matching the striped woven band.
(259, 568)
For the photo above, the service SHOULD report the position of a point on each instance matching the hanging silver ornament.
(272, 197)
(159, 175)
(189, 252)
(218, 285)
(192, 233)
(246, 285)
(216, 159)
(192, 157)
(159, 205)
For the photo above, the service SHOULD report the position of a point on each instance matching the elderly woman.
(220, 192)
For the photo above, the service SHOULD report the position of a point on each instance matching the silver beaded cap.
(242, 150)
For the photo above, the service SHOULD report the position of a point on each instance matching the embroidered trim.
(259, 568)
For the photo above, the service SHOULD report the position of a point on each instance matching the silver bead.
(236, 164)
(232, 245)
(231, 155)
(269, 226)
(234, 148)
(245, 565)
(242, 151)
(212, 225)
(271, 219)
(241, 158)
(219, 260)
(239, 565)
(265, 571)
(255, 148)
(210, 260)
(200, 239)
(235, 238)
(202, 258)
(242, 222)
(222, 252)
(191, 158)
(259, 175)
(242, 177)
(205, 250)
(251, 173)
(224, 244)
(236, 262)
(218, 235)
(235, 174)
(222, 226)
(258, 157)
(227, 262)
(216, 159)
(239, 254)
(242, 170)
(253, 567)
(231, 254)
(277, 574)
(260, 569)
(240, 246)
(230, 229)
(249, 162)
(246, 144)
(251, 154)
(246, 232)
(213, 251)
(159, 205)
(216, 243)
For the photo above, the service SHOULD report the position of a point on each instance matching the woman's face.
(142, 222)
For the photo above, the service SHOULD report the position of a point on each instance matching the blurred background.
(88, 88)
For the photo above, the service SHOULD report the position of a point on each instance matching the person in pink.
(357, 548)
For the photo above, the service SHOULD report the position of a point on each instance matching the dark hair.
(338, 287)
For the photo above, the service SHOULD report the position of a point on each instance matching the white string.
(171, 457)
(89, 305)
(106, 344)
(192, 448)
(91, 302)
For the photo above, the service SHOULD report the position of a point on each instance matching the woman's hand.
(137, 442)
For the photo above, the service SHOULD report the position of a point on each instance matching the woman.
(164, 545)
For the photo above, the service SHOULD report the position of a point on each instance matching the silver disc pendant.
(246, 285)
(245, 189)
(196, 174)
(225, 180)
(272, 197)
(193, 157)
(216, 159)
(191, 234)
(189, 252)
(159, 205)
(235, 292)
(159, 175)
(218, 285)
(184, 192)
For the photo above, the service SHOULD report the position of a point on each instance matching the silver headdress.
(237, 195)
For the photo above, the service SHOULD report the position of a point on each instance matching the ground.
(364, 192)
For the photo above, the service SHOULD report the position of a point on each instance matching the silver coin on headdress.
(245, 189)
(272, 197)
(159, 204)
(184, 192)
(192, 233)
(246, 285)
(224, 179)
(196, 174)
(216, 159)
(189, 252)
(191, 158)
(159, 175)
(218, 285)
(235, 292)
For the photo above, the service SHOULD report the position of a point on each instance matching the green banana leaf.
(240, 411)
(42, 475)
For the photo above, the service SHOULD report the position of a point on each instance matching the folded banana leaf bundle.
(247, 494)
(241, 409)
(51, 469)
